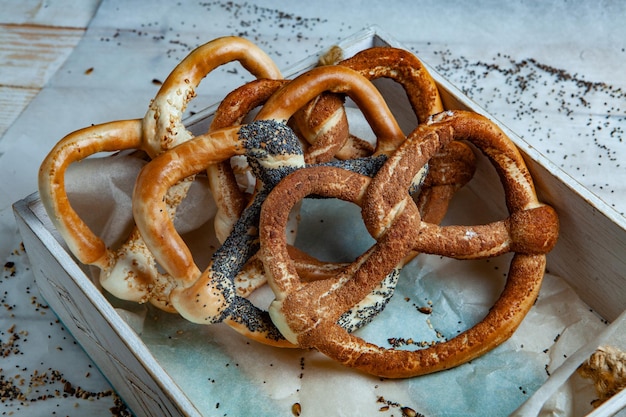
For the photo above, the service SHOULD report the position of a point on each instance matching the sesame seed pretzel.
(209, 296)
(307, 313)
(130, 272)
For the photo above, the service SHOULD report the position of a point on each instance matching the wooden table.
(35, 40)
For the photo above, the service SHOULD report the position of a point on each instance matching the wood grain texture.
(29, 56)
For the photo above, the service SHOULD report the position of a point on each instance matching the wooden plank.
(12, 101)
(31, 54)
(61, 13)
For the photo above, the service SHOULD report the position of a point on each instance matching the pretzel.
(209, 296)
(231, 201)
(307, 313)
(130, 272)
(322, 122)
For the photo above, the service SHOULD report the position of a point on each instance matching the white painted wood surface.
(36, 37)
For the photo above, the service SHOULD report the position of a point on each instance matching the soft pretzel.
(307, 313)
(130, 272)
(208, 297)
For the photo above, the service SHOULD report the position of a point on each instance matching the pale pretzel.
(307, 313)
(130, 271)
(209, 297)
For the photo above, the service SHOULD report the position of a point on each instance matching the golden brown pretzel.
(205, 296)
(307, 313)
(130, 272)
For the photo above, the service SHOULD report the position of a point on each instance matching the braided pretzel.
(208, 297)
(307, 313)
(130, 271)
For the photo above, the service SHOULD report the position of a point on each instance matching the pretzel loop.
(162, 124)
(108, 137)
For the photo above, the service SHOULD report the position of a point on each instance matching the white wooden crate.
(590, 256)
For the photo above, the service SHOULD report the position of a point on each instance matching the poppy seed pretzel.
(231, 201)
(307, 313)
(130, 272)
(209, 297)
(325, 114)
(229, 198)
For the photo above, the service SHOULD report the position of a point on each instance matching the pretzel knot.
(307, 313)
